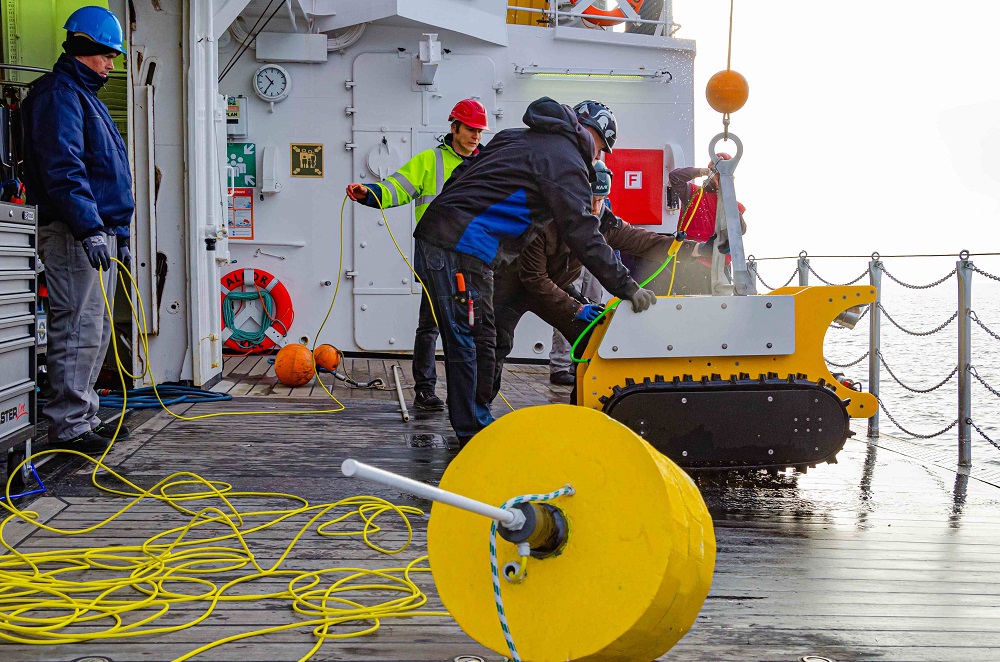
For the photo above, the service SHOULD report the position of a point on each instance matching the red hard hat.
(470, 112)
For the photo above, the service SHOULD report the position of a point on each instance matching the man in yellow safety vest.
(420, 180)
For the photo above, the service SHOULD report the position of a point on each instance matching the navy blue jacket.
(76, 163)
(495, 204)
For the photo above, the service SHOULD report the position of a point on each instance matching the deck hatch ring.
(468, 658)
(93, 658)
(815, 658)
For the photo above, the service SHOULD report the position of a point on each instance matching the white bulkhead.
(348, 92)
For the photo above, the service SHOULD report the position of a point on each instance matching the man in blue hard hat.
(77, 173)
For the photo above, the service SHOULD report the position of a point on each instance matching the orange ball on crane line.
(727, 91)
(327, 357)
(294, 365)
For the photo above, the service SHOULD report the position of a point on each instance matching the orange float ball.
(294, 365)
(727, 91)
(327, 357)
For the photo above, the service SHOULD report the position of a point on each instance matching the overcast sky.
(870, 125)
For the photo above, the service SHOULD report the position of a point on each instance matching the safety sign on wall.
(241, 214)
(243, 162)
(307, 160)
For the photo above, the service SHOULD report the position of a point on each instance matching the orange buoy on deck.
(327, 357)
(294, 365)
(727, 91)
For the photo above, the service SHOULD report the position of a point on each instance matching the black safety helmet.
(600, 118)
(601, 186)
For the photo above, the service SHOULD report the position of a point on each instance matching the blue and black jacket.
(76, 163)
(495, 204)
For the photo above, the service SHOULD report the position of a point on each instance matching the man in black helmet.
(490, 209)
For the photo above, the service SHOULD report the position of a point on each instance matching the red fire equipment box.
(637, 185)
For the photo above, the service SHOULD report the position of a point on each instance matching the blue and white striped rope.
(510, 503)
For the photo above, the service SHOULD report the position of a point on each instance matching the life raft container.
(608, 17)
(240, 289)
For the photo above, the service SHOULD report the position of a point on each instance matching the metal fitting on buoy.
(545, 529)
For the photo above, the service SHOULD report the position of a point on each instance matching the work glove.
(642, 300)
(357, 192)
(96, 248)
(124, 254)
(589, 312)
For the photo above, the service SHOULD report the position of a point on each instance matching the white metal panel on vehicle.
(702, 326)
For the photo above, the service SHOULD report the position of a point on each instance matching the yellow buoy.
(727, 91)
(637, 563)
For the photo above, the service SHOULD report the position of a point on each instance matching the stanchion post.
(963, 270)
(803, 269)
(875, 329)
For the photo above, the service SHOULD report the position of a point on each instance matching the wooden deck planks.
(879, 557)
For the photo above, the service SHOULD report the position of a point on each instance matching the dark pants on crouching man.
(469, 349)
(512, 300)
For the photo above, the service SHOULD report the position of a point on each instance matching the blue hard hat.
(99, 24)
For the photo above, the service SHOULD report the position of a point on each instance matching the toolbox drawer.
(16, 282)
(17, 259)
(16, 236)
(16, 328)
(17, 361)
(15, 305)
(15, 408)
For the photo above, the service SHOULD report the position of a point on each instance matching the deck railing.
(651, 18)
(965, 370)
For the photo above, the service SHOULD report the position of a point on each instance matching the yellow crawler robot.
(725, 382)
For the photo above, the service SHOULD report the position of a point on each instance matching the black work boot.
(428, 401)
(88, 442)
(107, 430)
(562, 378)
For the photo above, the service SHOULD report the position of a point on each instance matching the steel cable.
(975, 318)
(826, 282)
(790, 278)
(972, 371)
(982, 434)
(919, 287)
(913, 434)
(848, 365)
(910, 388)
(918, 333)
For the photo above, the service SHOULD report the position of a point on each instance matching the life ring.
(607, 17)
(273, 325)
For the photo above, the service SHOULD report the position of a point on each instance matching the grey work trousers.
(79, 330)
(559, 360)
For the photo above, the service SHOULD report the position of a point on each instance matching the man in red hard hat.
(697, 219)
(420, 180)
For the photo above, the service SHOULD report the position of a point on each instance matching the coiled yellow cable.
(137, 585)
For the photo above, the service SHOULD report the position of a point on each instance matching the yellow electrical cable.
(30, 582)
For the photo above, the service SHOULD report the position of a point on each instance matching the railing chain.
(910, 388)
(972, 371)
(920, 287)
(864, 274)
(848, 365)
(914, 434)
(790, 279)
(985, 273)
(918, 333)
(975, 318)
(981, 433)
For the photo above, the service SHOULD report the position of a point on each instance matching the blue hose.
(145, 398)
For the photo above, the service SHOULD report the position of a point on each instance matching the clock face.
(272, 83)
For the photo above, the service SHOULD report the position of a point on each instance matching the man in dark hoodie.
(77, 172)
(489, 211)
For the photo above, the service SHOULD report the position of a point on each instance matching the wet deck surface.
(887, 555)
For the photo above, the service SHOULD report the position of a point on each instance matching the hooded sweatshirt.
(524, 179)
